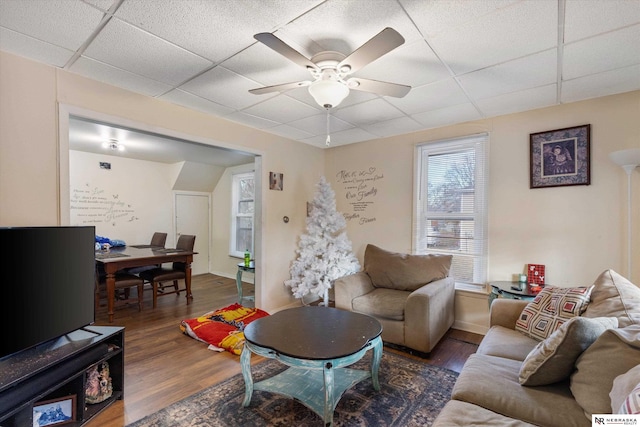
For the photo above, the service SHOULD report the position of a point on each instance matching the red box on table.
(535, 274)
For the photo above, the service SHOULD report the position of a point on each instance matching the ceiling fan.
(331, 71)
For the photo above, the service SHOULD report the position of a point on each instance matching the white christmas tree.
(324, 252)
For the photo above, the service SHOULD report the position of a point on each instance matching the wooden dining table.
(118, 258)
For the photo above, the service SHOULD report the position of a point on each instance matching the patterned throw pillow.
(631, 404)
(551, 308)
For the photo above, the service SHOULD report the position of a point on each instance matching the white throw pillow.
(553, 359)
(550, 309)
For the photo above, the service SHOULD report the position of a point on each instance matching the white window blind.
(242, 209)
(451, 204)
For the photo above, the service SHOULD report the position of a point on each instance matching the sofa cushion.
(612, 354)
(615, 296)
(552, 360)
(551, 308)
(492, 382)
(625, 393)
(381, 302)
(463, 414)
(508, 343)
(404, 272)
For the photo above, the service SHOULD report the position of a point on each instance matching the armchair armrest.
(505, 312)
(349, 287)
(429, 313)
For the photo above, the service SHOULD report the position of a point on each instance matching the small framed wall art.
(560, 157)
(275, 181)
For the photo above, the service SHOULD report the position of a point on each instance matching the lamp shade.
(328, 93)
(628, 159)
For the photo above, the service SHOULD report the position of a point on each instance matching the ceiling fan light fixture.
(328, 93)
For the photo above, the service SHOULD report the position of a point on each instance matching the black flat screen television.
(48, 284)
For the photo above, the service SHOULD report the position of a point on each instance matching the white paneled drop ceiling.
(464, 59)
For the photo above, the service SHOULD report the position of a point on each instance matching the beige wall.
(32, 94)
(577, 232)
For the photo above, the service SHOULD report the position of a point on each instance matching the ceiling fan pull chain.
(328, 141)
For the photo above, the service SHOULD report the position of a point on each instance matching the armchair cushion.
(387, 303)
(404, 272)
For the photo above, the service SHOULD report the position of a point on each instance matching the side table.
(241, 268)
(513, 290)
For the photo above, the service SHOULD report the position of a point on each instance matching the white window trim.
(480, 142)
(234, 213)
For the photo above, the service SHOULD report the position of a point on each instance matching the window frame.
(479, 143)
(235, 214)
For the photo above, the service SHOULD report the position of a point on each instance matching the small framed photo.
(275, 181)
(55, 412)
(560, 157)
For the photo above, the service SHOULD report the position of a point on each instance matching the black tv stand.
(58, 370)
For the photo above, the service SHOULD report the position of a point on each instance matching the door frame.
(177, 193)
(64, 196)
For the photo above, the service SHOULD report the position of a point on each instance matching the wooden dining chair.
(165, 280)
(158, 239)
(124, 283)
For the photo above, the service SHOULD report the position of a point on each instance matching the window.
(242, 208)
(451, 204)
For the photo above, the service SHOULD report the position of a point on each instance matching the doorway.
(192, 215)
(68, 112)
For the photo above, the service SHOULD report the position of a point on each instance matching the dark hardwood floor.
(163, 366)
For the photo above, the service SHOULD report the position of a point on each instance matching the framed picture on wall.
(276, 181)
(560, 157)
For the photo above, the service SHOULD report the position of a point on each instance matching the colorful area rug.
(411, 393)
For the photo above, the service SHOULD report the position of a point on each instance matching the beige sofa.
(591, 371)
(411, 295)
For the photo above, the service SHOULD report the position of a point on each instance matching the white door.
(192, 217)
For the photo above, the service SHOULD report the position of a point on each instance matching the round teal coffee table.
(317, 343)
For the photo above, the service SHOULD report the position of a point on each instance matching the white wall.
(129, 202)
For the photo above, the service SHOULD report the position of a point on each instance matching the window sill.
(476, 291)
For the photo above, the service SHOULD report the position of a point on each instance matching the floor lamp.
(629, 160)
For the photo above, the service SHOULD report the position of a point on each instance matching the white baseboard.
(470, 327)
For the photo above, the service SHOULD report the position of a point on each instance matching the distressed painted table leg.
(375, 362)
(239, 285)
(329, 403)
(245, 362)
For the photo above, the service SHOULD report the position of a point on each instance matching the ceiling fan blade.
(279, 88)
(383, 42)
(284, 49)
(377, 87)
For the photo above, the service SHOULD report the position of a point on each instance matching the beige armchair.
(411, 295)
